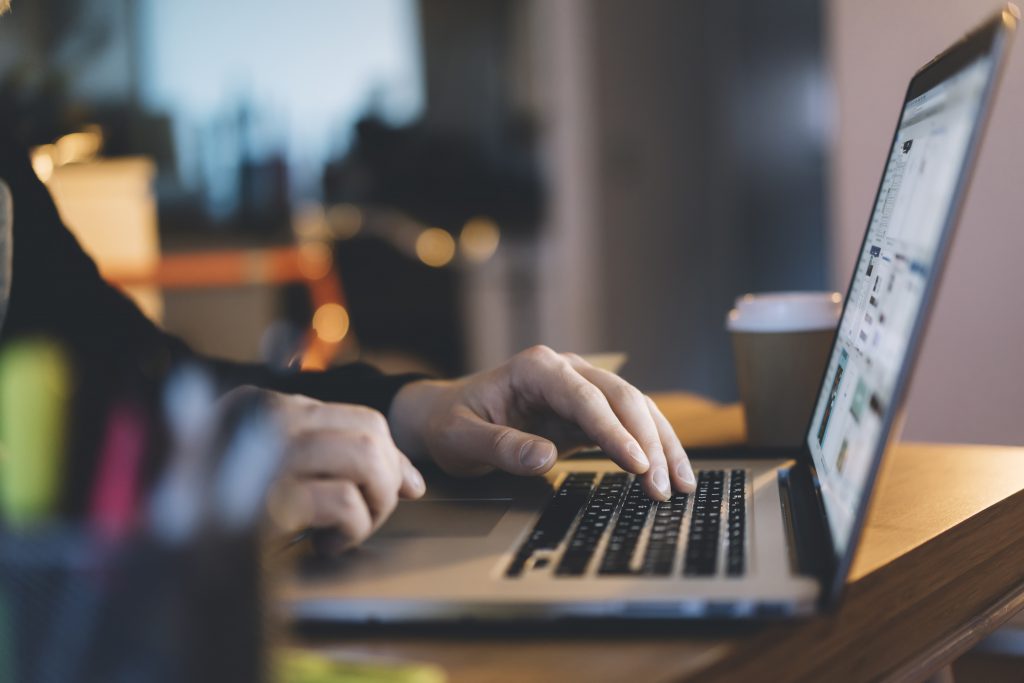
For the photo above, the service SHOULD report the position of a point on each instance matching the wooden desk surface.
(940, 566)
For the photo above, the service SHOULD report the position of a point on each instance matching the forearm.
(356, 383)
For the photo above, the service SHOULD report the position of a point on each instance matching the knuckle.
(653, 448)
(627, 393)
(364, 442)
(380, 422)
(348, 497)
(298, 401)
(566, 376)
(574, 358)
(376, 469)
(539, 353)
(371, 418)
(301, 447)
(325, 413)
(562, 366)
(586, 394)
(300, 442)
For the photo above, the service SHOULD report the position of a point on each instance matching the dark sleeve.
(57, 291)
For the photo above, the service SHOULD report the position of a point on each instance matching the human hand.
(341, 470)
(520, 416)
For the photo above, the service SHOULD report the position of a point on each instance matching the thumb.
(503, 447)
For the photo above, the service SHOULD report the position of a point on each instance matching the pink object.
(116, 491)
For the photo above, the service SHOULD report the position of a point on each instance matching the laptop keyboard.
(611, 525)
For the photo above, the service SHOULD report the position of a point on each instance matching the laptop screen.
(887, 292)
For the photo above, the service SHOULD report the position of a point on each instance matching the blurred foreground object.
(35, 386)
(157, 578)
(299, 666)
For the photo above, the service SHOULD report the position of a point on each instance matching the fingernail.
(634, 452)
(535, 455)
(686, 474)
(415, 480)
(660, 480)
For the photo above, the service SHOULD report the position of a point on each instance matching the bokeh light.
(435, 247)
(310, 221)
(331, 322)
(345, 220)
(479, 239)
(315, 260)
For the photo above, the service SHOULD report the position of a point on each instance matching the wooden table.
(941, 565)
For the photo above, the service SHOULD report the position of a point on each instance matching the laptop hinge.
(810, 541)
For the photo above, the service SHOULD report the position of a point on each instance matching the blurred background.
(437, 184)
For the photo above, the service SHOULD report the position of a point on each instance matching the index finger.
(678, 460)
(574, 398)
(632, 408)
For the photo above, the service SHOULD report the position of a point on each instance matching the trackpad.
(441, 518)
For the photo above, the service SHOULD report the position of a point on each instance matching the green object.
(304, 666)
(35, 385)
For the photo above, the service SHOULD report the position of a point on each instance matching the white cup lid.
(785, 312)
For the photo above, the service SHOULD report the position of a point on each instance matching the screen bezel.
(990, 39)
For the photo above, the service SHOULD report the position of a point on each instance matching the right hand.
(342, 471)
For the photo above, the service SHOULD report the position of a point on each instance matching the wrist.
(410, 414)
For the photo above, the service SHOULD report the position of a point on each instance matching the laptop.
(765, 534)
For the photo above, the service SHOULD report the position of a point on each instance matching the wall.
(563, 80)
(705, 171)
(968, 384)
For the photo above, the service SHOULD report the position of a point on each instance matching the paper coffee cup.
(781, 342)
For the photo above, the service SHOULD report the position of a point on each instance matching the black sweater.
(57, 292)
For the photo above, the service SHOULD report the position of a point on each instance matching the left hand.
(520, 416)
(341, 470)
